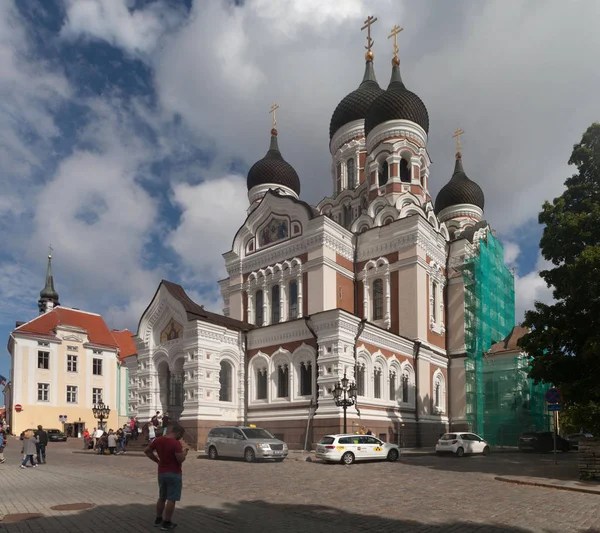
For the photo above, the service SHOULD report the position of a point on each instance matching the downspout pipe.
(309, 326)
(361, 327)
(246, 378)
(448, 380)
(416, 352)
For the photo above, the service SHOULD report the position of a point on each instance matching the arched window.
(293, 300)
(392, 386)
(351, 174)
(225, 378)
(383, 173)
(275, 304)
(261, 384)
(283, 381)
(378, 299)
(338, 178)
(360, 380)
(404, 171)
(439, 392)
(258, 308)
(305, 379)
(377, 374)
(434, 302)
(405, 384)
(347, 216)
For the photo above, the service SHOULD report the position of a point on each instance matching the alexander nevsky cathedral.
(375, 283)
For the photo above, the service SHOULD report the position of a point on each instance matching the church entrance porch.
(170, 384)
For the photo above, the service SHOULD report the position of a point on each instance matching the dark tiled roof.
(197, 312)
(273, 169)
(397, 103)
(355, 105)
(509, 344)
(459, 190)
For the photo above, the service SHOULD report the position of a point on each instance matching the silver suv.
(251, 443)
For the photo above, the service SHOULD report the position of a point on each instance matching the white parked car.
(461, 444)
(347, 448)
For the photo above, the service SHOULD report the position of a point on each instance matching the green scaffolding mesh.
(502, 401)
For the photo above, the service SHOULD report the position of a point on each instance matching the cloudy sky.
(127, 126)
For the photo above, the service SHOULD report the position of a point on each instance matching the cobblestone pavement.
(424, 494)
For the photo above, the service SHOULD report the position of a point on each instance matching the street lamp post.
(344, 395)
(101, 412)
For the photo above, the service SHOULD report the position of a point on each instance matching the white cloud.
(511, 253)
(531, 288)
(212, 212)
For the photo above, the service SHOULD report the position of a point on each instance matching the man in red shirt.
(170, 457)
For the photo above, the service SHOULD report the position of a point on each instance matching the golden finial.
(395, 31)
(273, 109)
(50, 250)
(370, 20)
(457, 135)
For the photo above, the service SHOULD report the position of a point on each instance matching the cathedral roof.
(396, 103)
(48, 291)
(459, 190)
(510, 343)
(273, 169)
(355, 105)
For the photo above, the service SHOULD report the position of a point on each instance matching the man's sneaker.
(23, 466)
(158, 522)
(167, 526)
(34, 466)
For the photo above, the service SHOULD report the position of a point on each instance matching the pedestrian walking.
(29, 448)
(86, 439)
(40, 447)
(171, 455)
(151, 433)
(2, 445)
(112, 441)
(165, 423)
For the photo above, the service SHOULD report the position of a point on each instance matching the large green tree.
(565, 336)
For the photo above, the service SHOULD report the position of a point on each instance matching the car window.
(373, 440)
(465, 436)
(448, 436)
(237, 434)
(327, 440)
(345, 440)
(257, 433)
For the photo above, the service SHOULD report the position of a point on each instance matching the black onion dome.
(397, 103)
(355, 105)
(459, 190)
(273, 169)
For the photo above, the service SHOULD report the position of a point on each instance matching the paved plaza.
(418, 493)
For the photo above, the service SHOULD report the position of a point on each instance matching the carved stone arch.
(304, 363)
(229, 390)
(364, 360)
(363, 221)
(444, 231)
(387, 212)
(438, 392)
(408, 371)
(377, 205)
(412, 209)
(281, 358)
(259, 364)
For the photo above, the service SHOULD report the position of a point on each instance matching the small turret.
(48, 295)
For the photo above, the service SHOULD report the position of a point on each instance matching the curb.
(548, 485)
(132, 454)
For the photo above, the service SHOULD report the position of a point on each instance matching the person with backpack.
(40, 447)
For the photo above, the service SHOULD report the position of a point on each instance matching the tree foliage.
(565, 336)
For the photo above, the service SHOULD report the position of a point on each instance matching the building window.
(71, 394)
(384, 171)
(293, 304)
(283, 381)
(338, 178)
(305, 379)
(275, 307)
(96, 396)
(378, 299)
(258, 308)
(393, 386)
(434, 291)
(44, 360)
(360, 380)
(261, 384)
(377, 382)
(404, 171)
(43, 392)
(351, 174)
(225, 376)
(71, 363)
(439, 392)
(97, 367)
(347, 214)
(405, 382)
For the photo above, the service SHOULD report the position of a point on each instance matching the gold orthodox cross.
(457, 135)
(50, 250)
(370, 20)
(273, 109)
(395, 31)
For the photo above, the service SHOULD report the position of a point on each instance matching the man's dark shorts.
(169, 487)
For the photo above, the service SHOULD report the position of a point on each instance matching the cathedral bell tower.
(48, 296)
(396, 128)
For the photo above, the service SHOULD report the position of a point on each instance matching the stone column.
(300, 291)
(266, 300)
(282, 315)
(388, 318)
(250, 307)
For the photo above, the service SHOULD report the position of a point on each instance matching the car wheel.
(392, 456)
(249, 455)
(348, 458)
(486, 450)
(212, 453)
(460, 452)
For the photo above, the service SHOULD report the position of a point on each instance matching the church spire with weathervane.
(48, 295)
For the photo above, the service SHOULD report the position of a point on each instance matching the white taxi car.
(461, 444)
(347, 448)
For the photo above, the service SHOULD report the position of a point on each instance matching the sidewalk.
(587, 487)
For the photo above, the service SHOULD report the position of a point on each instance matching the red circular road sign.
(18, 408)
(553, 395)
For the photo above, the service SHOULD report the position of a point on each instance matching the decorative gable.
(277, 229)
(172, 331)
